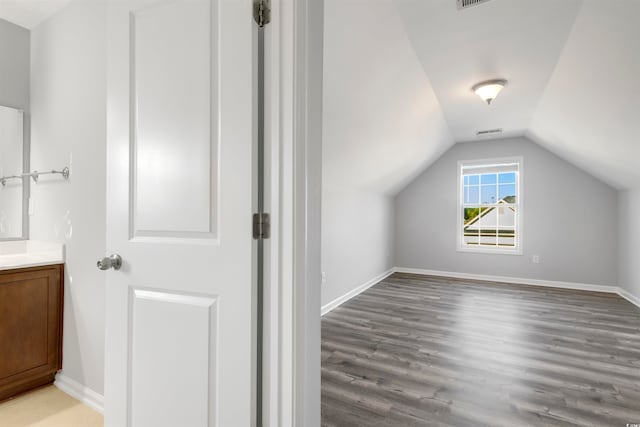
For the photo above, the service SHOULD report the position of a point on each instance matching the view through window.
(490, 205)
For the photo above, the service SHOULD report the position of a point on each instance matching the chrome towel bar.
(35, 175)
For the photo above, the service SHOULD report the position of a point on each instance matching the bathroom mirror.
(13, 186)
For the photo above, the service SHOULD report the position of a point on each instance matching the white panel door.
(179, 348)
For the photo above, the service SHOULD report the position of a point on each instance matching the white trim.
(489, 250)
(78, 391)
(515, 280)
(293, 153)
(278, 347)
(274, 393)
(357, 291)
(518, 249)
(522, 281)
(629, 297)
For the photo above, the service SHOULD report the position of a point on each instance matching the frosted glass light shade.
(488, 90)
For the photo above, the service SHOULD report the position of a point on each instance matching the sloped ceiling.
(574, 84)
(29, 13)
(590, 110)
(573, 68)
(520, 40)
(398, 75)
(382, 124)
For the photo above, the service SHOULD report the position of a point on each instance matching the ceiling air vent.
(489, 132)
(463, 4)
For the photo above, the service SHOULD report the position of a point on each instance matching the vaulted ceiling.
(519, 40)
(382, 123)
(590, 110)
(573, 68)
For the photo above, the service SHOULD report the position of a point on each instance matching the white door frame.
(293, 165)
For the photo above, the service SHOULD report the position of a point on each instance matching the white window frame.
(517, 249)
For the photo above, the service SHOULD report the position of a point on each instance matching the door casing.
(293, 179)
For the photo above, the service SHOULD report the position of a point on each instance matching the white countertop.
(30, 253)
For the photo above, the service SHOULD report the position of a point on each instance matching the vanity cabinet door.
(30, 328)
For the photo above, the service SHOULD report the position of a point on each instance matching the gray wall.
(68, 88)
(570, 219)
(629, 239)
(381, 128)
(14, 66)
(357, 239)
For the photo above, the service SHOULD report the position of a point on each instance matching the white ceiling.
(382, 124)
(573, 68)
(29, 13)
(519, 40)
(590, 111)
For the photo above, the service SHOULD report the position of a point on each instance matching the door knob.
(113, 261)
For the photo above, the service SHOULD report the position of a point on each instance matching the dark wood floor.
(430, 351)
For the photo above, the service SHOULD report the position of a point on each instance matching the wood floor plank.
(431, 351)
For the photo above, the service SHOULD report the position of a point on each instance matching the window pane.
(470, 214)
(507, 193)
(488, 236)
(489, 178)
(471, 239)
(472, 195)
(469, 235)
(506, 218)
(489, 194)
(507, 227)
(489, 218)
(506, 238)
(507, 178)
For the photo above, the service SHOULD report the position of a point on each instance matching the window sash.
(497, 237)
(498, 189)
(480, 169)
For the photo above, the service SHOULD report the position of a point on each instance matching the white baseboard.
(629, 297)
(76, 390)
(516, 280)
(521, 281)
(536, 282)
(346, 297)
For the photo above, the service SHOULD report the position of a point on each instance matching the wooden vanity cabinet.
(30, 327)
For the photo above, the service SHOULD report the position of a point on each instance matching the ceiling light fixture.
(489, 90)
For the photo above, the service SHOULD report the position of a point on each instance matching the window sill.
(491, 251)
